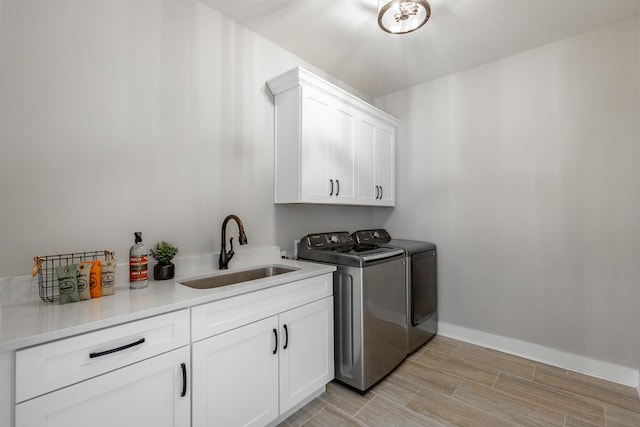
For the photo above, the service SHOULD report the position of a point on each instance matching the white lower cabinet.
(240, 361)
(235, 380)
(147, 393)
(306, 355)
(129, 375)
(251, 375)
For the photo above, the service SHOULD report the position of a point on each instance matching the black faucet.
(225, 256)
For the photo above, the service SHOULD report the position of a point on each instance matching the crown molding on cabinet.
(299, 76)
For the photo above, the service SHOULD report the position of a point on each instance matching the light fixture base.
(402, 16)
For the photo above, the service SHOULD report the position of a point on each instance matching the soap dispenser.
(138, 264)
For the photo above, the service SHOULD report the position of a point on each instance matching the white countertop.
(30, 322)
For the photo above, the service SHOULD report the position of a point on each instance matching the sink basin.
(237, 277)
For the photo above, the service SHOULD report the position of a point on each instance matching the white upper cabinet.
(330, 147)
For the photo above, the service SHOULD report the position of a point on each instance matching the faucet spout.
(225, 256)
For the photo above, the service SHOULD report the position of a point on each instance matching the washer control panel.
(340, 239)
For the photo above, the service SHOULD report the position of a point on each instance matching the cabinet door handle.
(184, 379)
(381, 192)
(286, 337)
(338, 192)
(331, 192)
(115, 350)
(377, 191)
(275, 333)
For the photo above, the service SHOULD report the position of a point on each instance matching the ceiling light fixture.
(401, 16)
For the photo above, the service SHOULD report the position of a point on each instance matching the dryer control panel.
(371, 237)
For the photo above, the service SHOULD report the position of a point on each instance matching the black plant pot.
(164, 271)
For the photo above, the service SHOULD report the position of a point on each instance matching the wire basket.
(45, 268)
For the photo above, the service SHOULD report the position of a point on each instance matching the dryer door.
(424, 286)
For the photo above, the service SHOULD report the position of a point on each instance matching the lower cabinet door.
(147, 393)
(306, 351)
(235, 380)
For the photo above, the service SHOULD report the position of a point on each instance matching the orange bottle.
(94, 280)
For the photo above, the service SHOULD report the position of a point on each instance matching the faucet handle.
(230, 253)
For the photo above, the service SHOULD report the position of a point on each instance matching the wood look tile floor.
(452, 383)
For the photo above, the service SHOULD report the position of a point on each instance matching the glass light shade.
(401, 16)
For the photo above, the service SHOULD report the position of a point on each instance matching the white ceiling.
(342, 37)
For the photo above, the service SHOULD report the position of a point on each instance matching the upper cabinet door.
(385, 153)
(344, 153)
(316, 146)
(376, 162)
(368, 191)
(327, 149)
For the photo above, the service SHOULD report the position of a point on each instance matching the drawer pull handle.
(115, 350)
(275, 349)
(184, 379)
(286, 337)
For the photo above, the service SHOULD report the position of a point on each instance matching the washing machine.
(370, 314)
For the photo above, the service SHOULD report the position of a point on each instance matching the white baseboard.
(550, 356)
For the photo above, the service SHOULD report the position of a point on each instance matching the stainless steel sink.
(237, 277)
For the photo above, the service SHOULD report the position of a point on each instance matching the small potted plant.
(164, 252)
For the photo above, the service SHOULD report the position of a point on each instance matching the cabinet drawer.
(221, 316)
(57, 364)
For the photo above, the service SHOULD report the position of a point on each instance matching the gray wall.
(526, 173)
(296, 221)
(146, 115)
